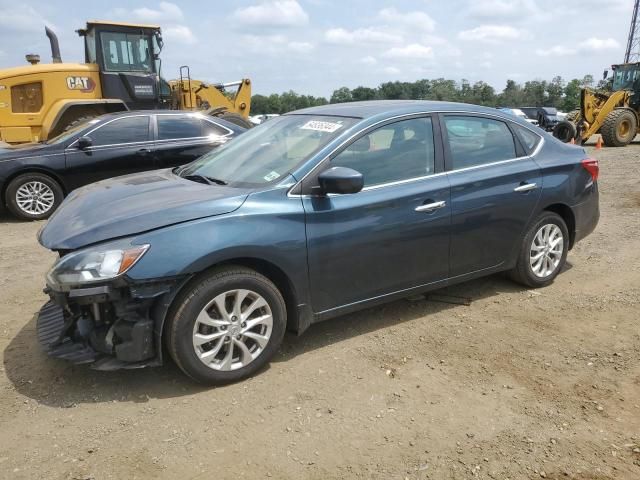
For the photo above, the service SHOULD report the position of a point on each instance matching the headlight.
(86, 266)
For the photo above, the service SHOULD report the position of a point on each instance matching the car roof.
(126, 113)
(373, 108)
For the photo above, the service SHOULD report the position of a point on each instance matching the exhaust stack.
(55, 47)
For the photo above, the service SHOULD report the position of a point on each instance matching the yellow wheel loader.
(121, 72)
(615, 115)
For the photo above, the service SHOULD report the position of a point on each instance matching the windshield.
(626, 78)
(124, 52)
(67, 134)
(269, 151)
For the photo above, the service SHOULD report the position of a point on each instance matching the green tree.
(363, 93)
(555, 91)
(572, 95)
(341, 95)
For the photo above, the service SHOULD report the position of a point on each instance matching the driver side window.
(393, 152)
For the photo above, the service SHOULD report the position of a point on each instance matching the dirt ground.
(519, 384)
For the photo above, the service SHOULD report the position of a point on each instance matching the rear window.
(178, 126)
(475, 141)
(528, 139)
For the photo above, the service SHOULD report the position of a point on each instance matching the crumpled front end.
(112, 326)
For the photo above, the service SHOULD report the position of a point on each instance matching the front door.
(495, 188)
(391, 236)
(119, 147)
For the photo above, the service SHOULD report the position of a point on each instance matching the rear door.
(181, 138)
(391, 236)
(495, 187)
(118, 147)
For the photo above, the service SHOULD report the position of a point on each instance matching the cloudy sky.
(316, 46)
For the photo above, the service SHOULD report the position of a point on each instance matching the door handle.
(144, 151)
(430, 207)
(526, 187)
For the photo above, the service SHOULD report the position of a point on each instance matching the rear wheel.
(543, 252)
(619, 128)
(226, 325)
(33, 196)
(236, 119)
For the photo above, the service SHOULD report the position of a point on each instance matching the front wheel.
(33, 196)
(543, 252)
(226, 325)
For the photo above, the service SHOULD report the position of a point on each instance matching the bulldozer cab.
(128, 59)
(626, 77)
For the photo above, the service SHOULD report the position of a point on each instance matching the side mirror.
(84, 143)
(340, 180)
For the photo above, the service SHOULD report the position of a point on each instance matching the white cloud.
(491, 33)
(415, 20)
(279, 13)
(369, 60)
(342, 36)
(165, 12)
(556, 51)
(503, 9)
(590, 45)
(594, 44)
(180, 34)
(391, 70)
(301, 47)
(23, 19)
(413, 51)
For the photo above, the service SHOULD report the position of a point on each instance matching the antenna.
(633, 44)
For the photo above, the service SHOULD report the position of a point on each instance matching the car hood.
(132, 204)
(25, 149)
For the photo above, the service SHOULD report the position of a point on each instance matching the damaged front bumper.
(112, 326)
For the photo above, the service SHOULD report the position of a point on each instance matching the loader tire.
(619, 128)
(564, 131)
(236, 119)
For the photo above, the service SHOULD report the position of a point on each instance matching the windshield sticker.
(319, 126)
(271, 176)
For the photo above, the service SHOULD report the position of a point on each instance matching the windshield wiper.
(205, 179)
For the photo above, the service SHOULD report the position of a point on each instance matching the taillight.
(591, 166)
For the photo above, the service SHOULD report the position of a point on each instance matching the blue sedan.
(309, 216)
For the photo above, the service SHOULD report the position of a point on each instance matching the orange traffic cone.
(599, 142)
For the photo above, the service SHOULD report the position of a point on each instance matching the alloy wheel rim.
(232, 330)
(546, 250)
(35, 198)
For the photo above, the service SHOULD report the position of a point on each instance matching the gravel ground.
(518, 384)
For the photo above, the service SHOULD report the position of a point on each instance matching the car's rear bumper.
(587, 214)
(107, 326)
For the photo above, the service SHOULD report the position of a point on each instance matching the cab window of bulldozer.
(123, 52)
(625, 78)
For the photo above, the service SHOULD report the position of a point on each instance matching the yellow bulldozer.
(121, 72)
(615, 115)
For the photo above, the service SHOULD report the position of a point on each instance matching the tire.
(236, 119)
(33, 196)
(524, 272)
(564, 131)
(619, 128)
(197, 316)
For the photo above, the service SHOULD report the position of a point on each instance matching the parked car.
(312, 215)
(34, 178)
(518, 113)
(547, 117)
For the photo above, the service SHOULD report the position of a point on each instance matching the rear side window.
(528, 139)
(178, 126)
(123, 130)
(477, 141)
(210, 128)
(393, 152)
